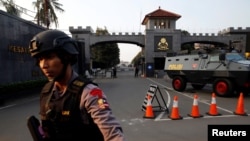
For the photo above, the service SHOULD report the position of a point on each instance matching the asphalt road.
(126, 96)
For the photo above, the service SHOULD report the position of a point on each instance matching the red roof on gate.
(159, 13)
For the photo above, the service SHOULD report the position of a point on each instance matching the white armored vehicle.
(228, 72)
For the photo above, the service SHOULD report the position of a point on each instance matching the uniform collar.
(55, 91)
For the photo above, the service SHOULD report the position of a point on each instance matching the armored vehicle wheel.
(223, 87)
(179, 83)
(198, 86)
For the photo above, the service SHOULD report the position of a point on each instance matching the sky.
(197, 16)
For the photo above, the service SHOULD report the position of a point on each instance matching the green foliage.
(10, 7)
(106, 54)
(21, 86)
(185, 33)
(188, 47)
(137, 59)
(46, 11)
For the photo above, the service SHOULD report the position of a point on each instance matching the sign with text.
(232, 132)
(152, 92)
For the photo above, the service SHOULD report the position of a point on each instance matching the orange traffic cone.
(149, 109)
(240, 106)
(213, 107)
(195, 109)
(175, 111)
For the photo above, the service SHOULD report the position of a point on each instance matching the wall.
(15, 60)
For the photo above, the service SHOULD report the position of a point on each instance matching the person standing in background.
(136, 70)
(114, 72)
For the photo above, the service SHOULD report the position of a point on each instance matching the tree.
(189, 47)
(105, 55)
(46, 12)
(137, 59)
(185, 33)
(10, 7)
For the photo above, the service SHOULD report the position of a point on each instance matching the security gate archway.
(154, 44)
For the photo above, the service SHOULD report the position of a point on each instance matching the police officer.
(72, 108)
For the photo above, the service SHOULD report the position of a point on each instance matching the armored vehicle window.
(196, 59)
(214, 58)
(204, 56)
(234, 57)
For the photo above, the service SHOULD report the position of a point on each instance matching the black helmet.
(52, 40)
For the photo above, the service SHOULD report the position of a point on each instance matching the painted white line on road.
(160, 84)
(221, 116)
(204, 101)
(159, 117)
(24, 101)
(168, 95)
(8, 106)
(168, 99)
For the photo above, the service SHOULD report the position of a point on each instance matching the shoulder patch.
(96, 92)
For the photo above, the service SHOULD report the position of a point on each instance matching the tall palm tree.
(10, 7)
(46, 12)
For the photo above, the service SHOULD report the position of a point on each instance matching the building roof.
(160, 13)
